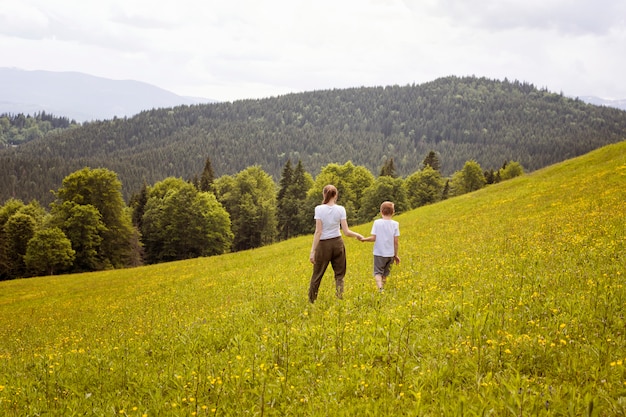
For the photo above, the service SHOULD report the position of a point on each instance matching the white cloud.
(248, 48)
(22, 20)
(576, 17)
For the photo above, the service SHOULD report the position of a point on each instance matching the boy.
(385, 234)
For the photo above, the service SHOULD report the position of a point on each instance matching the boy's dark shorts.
(382, 265)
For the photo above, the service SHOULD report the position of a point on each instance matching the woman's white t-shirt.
(331, 216)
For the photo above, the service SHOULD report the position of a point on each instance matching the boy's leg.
(381, 270)
(379, 281)
(387, 270)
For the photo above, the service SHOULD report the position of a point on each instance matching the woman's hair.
(329, 192)
(387, 208)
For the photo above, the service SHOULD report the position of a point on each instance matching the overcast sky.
(236, 49)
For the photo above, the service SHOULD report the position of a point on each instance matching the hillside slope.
(460, 118)
(509, 300)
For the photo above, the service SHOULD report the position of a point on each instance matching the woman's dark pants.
(333, 252)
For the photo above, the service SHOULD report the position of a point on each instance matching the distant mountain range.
(618, 104)
(81, 97)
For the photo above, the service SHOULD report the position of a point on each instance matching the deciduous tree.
(470, 178)
(181, 222)
(101, 189)
(350, 180)
(18, 230)
(424, 187)
(250, 199)
(385, 188)
(82, 224)
(48, 252)
(9, 208)
(511, 170)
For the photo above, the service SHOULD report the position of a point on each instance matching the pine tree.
(301, 184)
(286, 180)
(287, 208)
(207, 177)
(388, 169)
(138, 204)
(446, 190)
(432, 160)
(293, 218)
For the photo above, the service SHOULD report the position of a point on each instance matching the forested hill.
(460, 118)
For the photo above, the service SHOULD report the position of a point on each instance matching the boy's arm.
(396, 248)
(371, 238)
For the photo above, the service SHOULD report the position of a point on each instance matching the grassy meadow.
(509, 301)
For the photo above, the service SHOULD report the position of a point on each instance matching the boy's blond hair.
(387, 208)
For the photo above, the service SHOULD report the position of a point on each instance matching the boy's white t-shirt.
(331, 216)
(385, 230)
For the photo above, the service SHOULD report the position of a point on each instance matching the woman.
(328, 245)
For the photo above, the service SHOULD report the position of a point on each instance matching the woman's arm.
(316, 239)
(348, 232)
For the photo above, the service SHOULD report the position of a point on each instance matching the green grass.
(509, 302)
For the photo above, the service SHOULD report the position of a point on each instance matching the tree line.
(89, 227)
(17, 129)
(460, 118)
